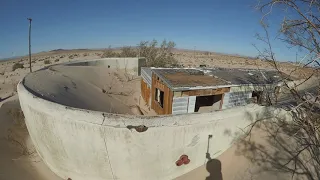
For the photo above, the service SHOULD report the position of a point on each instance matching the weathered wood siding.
(167, 97)
(145, 91)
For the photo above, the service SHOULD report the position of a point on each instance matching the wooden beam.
(206, 92)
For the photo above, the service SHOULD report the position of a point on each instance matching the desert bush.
(47, 62)
(128, 51)
(85, 54)
(17, 66)
(109, 53)
(57, 60)
(157, 56)
(295, 143)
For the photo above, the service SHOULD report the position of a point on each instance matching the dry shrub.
(17, 66)
(108, 53)
(158, 56)
(47, 62)
(128, 51)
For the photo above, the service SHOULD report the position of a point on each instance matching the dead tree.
(296, 143)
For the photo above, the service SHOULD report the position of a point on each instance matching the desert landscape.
(18, 157)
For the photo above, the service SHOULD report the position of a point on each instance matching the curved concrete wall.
(131, 65)
(81, 144)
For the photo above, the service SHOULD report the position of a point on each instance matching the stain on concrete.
(227, 132)
(194, 140)
(140, 128)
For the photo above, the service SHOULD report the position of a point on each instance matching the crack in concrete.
(104, 118)
(105, 145)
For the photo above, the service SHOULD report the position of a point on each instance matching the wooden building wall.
(145, 91)
(167, 99)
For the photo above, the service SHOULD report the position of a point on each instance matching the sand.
(235, 164)
(18, 159)
(93, 88)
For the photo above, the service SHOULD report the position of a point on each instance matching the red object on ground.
(184, 158)
(179, 162)
(186, 161)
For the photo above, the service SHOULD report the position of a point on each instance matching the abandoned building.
(188, 90)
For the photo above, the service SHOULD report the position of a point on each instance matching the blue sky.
(213, 25)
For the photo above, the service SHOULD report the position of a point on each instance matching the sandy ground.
(237, 163)
(18, 158)
(93, 88)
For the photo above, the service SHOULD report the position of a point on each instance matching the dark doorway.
(257, 95)
(207, 103)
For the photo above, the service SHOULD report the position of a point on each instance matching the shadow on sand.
(213, 166)
(283, 147)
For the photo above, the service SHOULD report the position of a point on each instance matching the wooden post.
(221, 101)
(30, 43)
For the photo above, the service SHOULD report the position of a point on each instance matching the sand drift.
(80, 87)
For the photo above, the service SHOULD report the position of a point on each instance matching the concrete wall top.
(132, 64)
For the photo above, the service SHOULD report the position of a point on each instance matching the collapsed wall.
(85, 144)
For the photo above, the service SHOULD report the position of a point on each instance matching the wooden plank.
(170, 101)
(153, 94)
(206, 92)
(221, 102)
(169, 98)
(145, 92)
(165, 100)
(154, 104)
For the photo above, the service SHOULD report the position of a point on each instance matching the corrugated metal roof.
(249, 76)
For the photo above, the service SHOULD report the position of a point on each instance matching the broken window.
(159, 97)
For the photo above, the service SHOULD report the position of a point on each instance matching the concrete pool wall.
(82, 144)
(132, 65)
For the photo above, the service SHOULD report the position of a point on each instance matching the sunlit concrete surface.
(86, 144)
